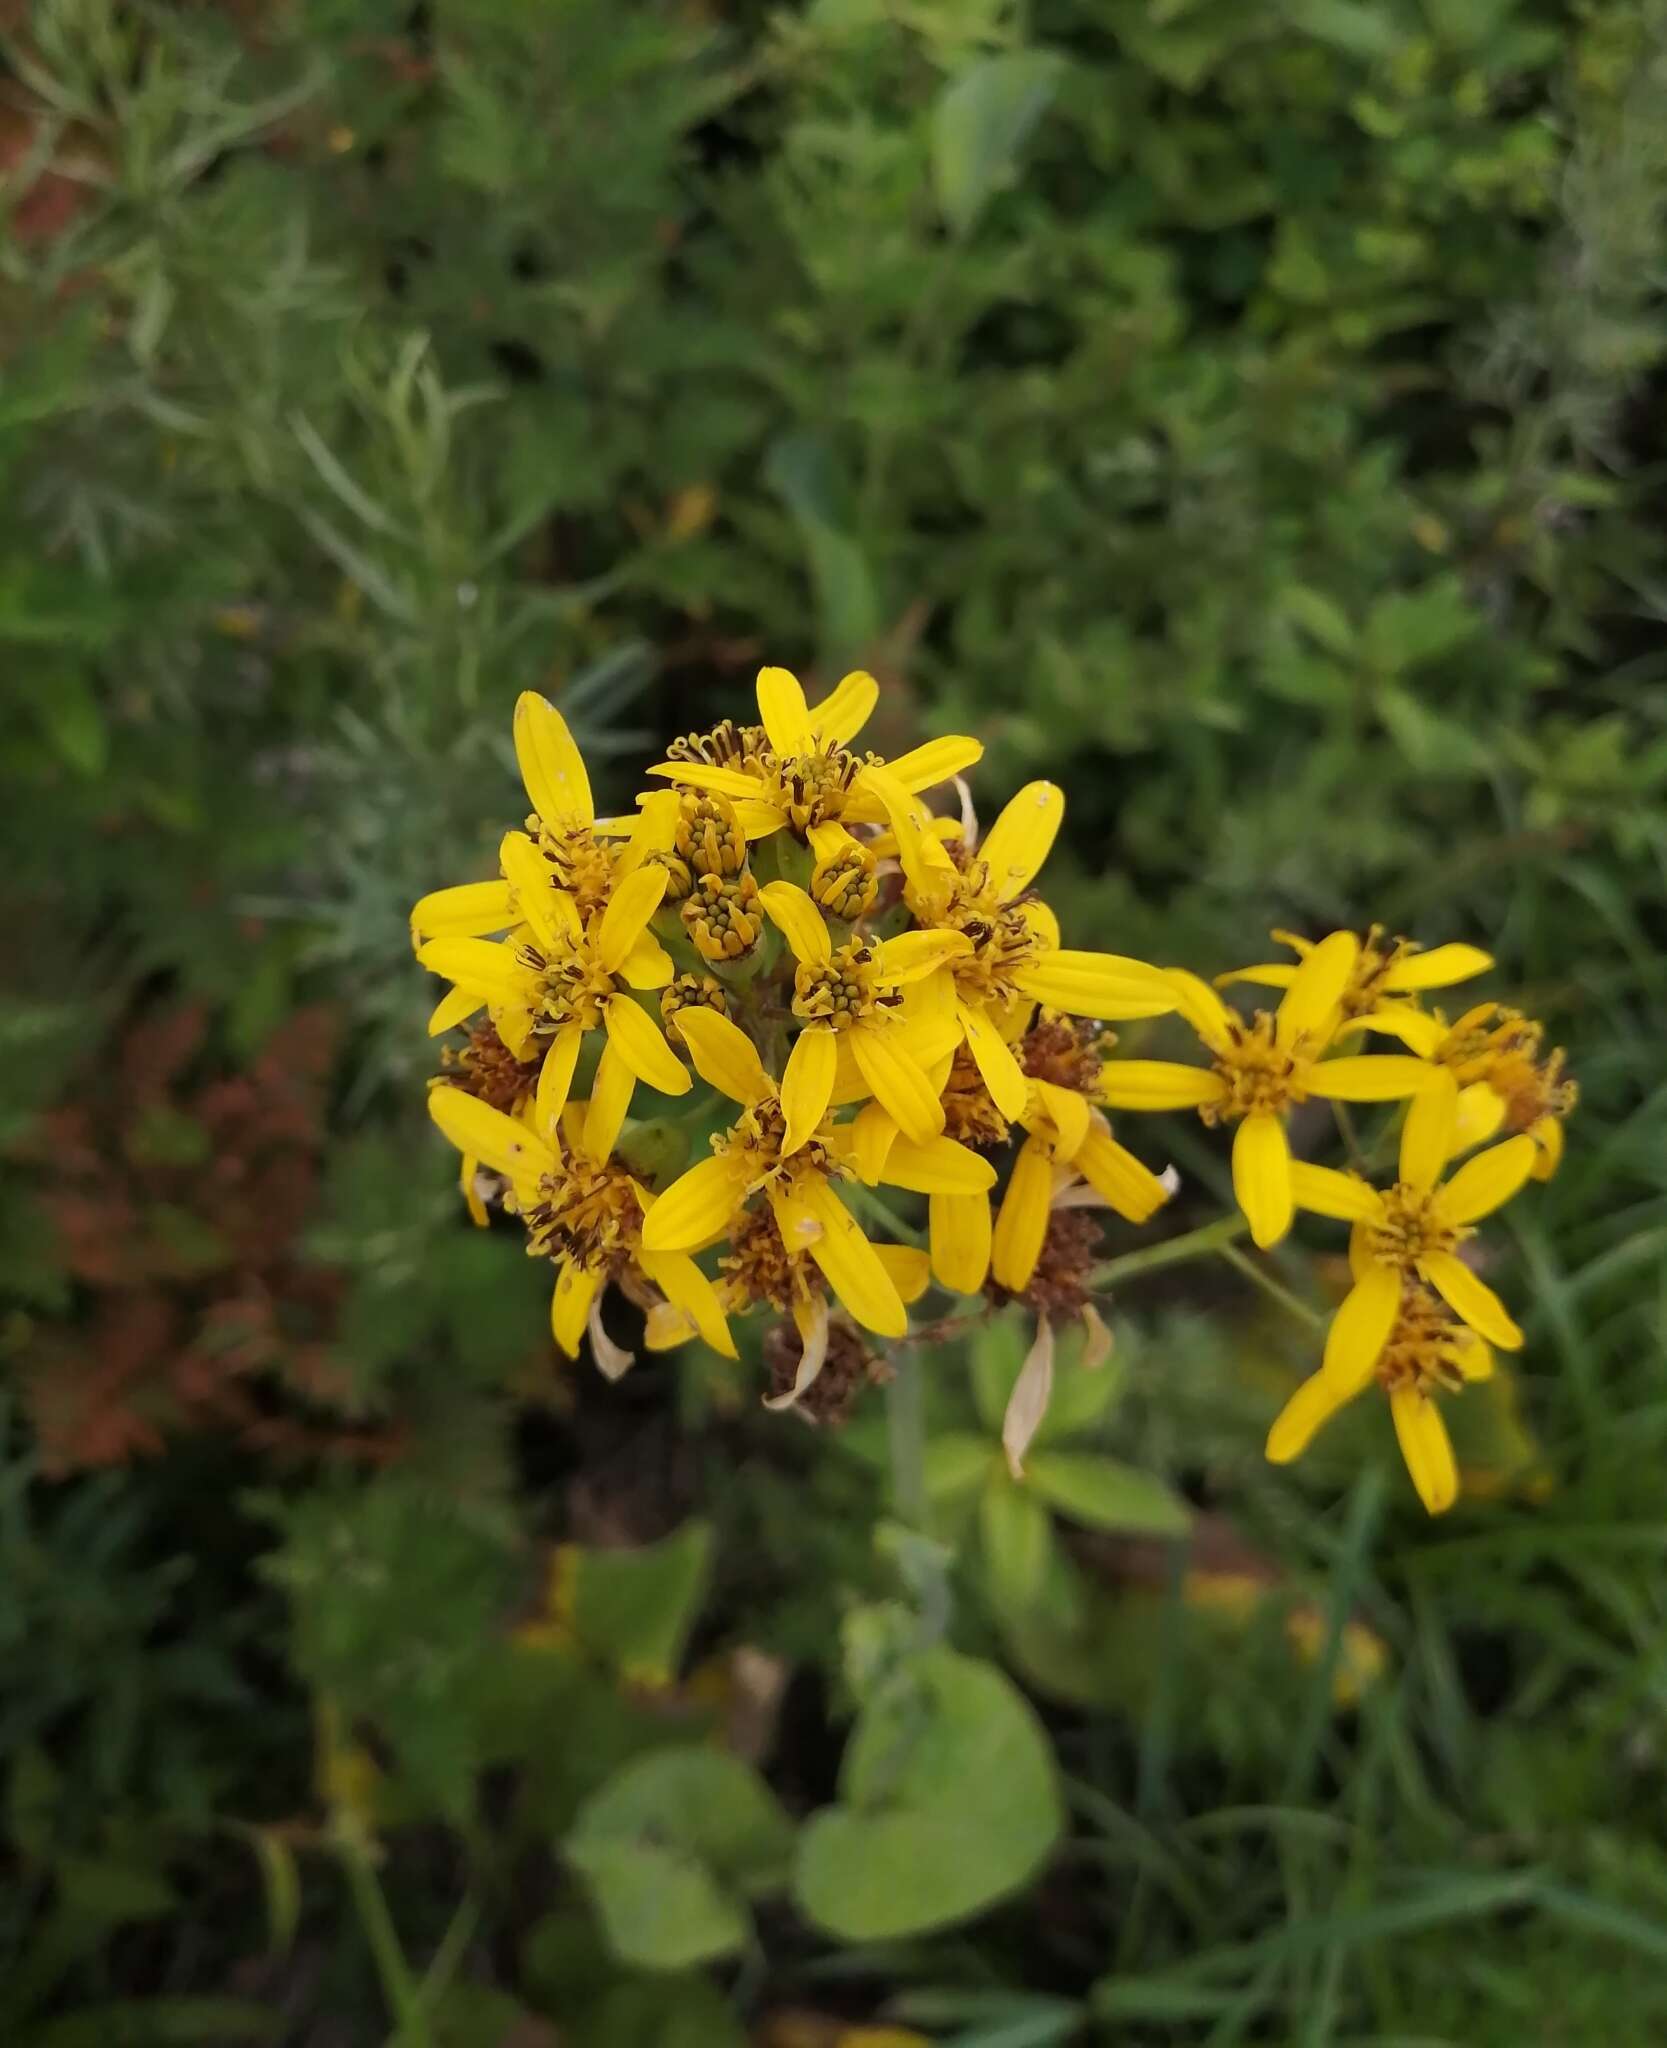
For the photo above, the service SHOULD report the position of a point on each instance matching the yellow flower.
(588, 1214)
(1259, 1071)
(1411, 1231)
(752, 1158)
(1506, 1081)
(1013, 959)
(850, 998)
(563, 824)
(796, 768)
(1382, 968)
(569, 977)
(1068, 1160)
(1424, 1349)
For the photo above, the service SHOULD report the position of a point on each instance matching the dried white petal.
(1028, 1402)
(613, 1361)
(1097, 1340)
(813, 1338)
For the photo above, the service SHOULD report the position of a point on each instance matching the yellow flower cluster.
(876, 997)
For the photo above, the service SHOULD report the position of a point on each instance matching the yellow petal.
(1312, 998)
(1265, 974)
(1488, 1181)
(551, 765)
(912, 956)
(1360, 1329)
(1066, 1111)
(499, 1141)
(610, 1100)
(1203, 1009)
(633, 903)
(898, 1083)
(846, 709)
(1325, 1192)
(570, 1306)
(909, 1267)
(687, 1288)
(1440, 967)
(848, 1261)
(1021, 839)
(807, 1083)
(469, 911)
(926, 766)
(697, 1207)
(641, 1044)
(794, 913)
(1022, 1224)
(555, 1079)
(959, 1233)
(941, 1167)
(1471, 1299)
(1426, 1448)
(533, 880)
(467, 1168)
(1474, 1358)
(869, 1137)
(998, 1069)
(724, 1056)
(647, 965)
(782, 711)
(1421, 1034)
(1427, 1134)
(1262, 1176)
(730, 782)
(491, 971)
(1369, 1077)
(917, 854)
(650, 830)
(1117, 1175)
(1315, 1402)
(1158, 1084)
(1547, 1134)
(1480, 1113)
(452, 1009)
(1103, 985)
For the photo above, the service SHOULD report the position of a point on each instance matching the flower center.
(580, 863)
(1260, 1073)
(1410, 1227)
(1065, 1052)
(1001, 938)
(573, 986)
(811, 789)
(723, 917)
(759, 1267)
(970, 1117)
(587, 1212)
(756, 1136)
(845, 991)
(486, 1067)
(1424, 1347)
(846, 885)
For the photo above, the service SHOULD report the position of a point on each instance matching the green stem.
(906, 1437)
(399, 1987)
(1174, 1251)
(1293, 1304)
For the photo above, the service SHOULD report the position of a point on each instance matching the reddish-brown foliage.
(178, 1194)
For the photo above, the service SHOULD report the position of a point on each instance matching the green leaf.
(1321, 617)
(1017, 1534)
(957, 1462)
(1106, 1494)
(948, 1802)
(662, 1909)
(104, 1890)
(981, 122)
(73, 722)
(671, 1847)
(683, 2012)
(156, 2022)
(636, 1608)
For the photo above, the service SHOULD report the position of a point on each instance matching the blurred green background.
(1250, 415)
